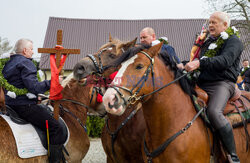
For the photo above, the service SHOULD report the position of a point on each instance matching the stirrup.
(233, 158)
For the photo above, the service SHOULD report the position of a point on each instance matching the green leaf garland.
(212, 52)
(4, 83)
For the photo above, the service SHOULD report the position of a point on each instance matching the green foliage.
(6, 85)
(4, 46)
(212, 52)
(94, 126)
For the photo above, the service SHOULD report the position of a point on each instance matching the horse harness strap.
(99, 67)
(74, 116)
(133, 98)
(94, 61)
(157, 90)
(77, 102)
(244, 121)
(162, 147)
(113, 135)
(98, 90)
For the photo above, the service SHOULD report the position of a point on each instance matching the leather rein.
(134, 98)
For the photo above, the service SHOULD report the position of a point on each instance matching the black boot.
(56, 154)
(227, 138)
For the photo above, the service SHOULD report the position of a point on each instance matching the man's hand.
(190, 66)
(180, 66)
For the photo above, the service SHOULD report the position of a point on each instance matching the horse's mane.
(67, 80)
(114, 41)
(186, 84)
(128, 54)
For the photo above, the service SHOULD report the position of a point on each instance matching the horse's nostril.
(116, 100)
(110, 106)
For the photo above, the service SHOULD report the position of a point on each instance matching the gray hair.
(20, 45)
(223, 16)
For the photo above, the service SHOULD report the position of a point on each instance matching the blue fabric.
(22, 73)
(171, 52)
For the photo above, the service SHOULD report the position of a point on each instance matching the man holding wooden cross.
(21, 73)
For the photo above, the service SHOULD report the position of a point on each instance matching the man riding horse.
(219, 67)
(20, 72)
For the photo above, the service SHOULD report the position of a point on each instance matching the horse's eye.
(111, 55)
(140, 66)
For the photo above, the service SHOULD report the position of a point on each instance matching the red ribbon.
(55, 86)
(112, 76)
(99, 98)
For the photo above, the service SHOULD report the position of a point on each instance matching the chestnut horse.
(169, 113)
(122, 135)
(2, 98)
(78, 143)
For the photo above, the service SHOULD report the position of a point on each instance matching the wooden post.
(58, 53)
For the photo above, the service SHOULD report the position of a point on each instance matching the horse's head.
(78, 96)
(132, 80)
(106, 54)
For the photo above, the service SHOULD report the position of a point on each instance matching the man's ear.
(225, 25)
(24, 51)
(153, 36)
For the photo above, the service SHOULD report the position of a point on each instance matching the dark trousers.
(37, 116)
(219, 93)
(247, 87)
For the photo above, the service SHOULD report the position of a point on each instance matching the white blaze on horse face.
(118, 78)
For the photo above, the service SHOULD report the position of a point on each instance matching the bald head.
(147, 35)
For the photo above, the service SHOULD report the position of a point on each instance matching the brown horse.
(78, 143)
(169, 113)
(121, 136)
(2, 98)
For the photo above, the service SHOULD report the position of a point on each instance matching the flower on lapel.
(235, 29)
(212, 46)
(224, 35)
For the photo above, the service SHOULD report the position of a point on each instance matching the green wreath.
(242, 72)
(4, 83)
(220, 41)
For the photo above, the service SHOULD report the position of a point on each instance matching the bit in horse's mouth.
(82, 82)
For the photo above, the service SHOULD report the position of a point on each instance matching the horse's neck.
(115, 121)
(168, 110)
(71, 93)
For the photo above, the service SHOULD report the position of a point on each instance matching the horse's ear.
(110, 37)
(155, 50)
(129, 44)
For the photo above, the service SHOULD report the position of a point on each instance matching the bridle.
(133, 98)
(98, 74)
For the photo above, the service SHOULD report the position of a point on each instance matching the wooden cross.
(58, 53)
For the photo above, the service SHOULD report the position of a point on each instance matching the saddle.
(240, 100)
(42, 134)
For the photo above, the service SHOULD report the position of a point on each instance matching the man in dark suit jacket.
(218, 76)
(147, 36)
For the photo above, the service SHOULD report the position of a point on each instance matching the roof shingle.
(90, 34)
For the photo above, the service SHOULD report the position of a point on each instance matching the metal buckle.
(132, 99)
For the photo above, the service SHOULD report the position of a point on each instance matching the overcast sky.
(29, 18)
